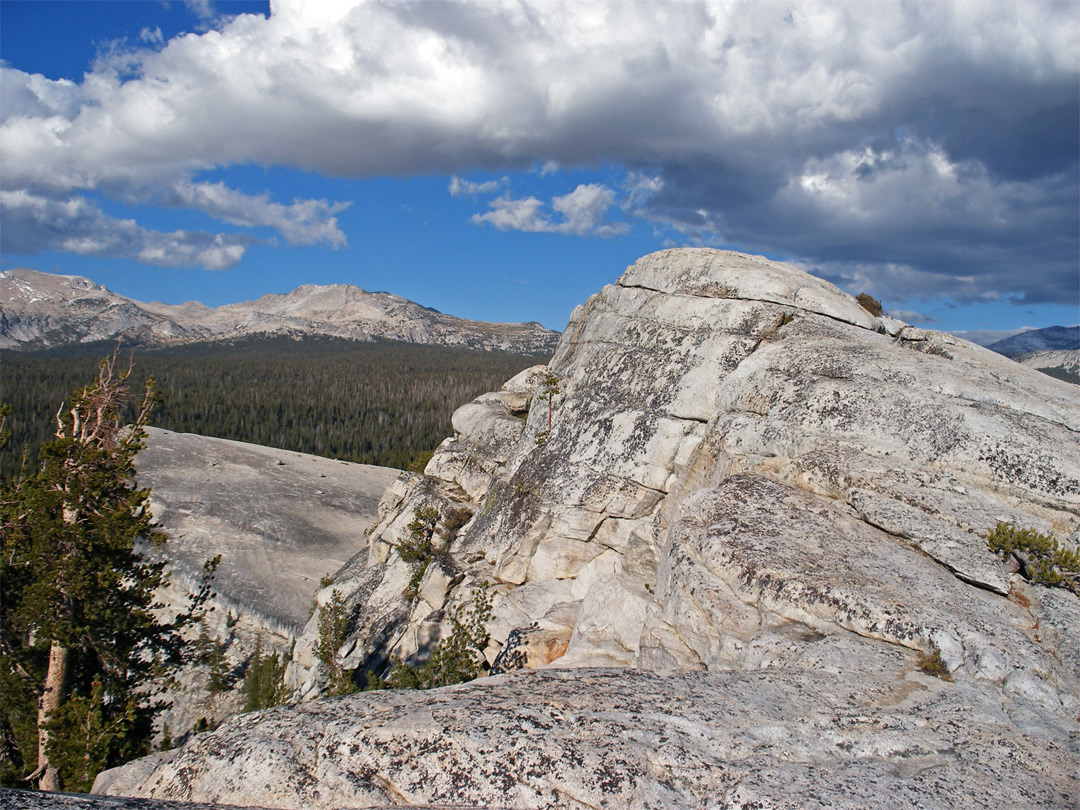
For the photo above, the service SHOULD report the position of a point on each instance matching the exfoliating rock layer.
(735, 536)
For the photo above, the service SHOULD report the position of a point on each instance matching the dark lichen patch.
(1010, 464)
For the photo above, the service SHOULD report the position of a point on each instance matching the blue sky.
(504, 160)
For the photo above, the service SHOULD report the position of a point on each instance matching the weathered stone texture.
(779, 737)
(758, 506)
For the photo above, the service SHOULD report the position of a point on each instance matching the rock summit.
(736, 536)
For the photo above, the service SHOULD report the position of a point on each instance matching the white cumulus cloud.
(523, 214)
(304, 222)
(582, 213)
(468, 188)
(936, 136)
(34, 223)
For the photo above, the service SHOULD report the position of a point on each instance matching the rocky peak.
(38, 309)
(740, 496)
(738, 276)
(25, 287)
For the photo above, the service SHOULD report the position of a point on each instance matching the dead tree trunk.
(51, 698)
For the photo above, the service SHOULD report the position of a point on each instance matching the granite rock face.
(782, 737)
(756, 508)
(279, 520)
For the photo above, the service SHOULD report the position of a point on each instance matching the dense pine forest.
(379, 403)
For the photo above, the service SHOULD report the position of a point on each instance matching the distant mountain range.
(1050, 339)
(39, 310)
(1054, 350)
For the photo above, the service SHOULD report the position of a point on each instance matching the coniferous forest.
(379, 403)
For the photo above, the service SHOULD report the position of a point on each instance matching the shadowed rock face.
(758, 507)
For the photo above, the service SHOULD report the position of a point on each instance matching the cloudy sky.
(504, 160)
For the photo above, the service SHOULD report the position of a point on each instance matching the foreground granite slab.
(876, 733)
(34, 800)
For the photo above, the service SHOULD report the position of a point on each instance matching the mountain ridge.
(39, 310)
(1051, 338)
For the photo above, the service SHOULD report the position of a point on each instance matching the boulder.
(820, 735)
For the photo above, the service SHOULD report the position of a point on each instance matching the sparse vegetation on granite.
(870, 304)
(418, 549)
(547, 394)
(932, 664)
(457, 658)
(333, 629)
(420, 461)
(1040, 558)
(455, 518)
(166, 743)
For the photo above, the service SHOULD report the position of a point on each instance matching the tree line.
(379, 403)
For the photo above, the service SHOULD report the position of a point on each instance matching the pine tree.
(82, 654)
(210, 653)
(333, 629)
(166, 743)
(459, 657)
(264, 680)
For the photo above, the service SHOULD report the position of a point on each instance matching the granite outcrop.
(279, 521)
(726, 529)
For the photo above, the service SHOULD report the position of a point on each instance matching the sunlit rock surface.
(280, 521)
(738, 512)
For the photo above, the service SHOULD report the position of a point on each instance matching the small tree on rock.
(210, 654)
(264, 680)
(459, 657)
(333, 628)
(870, 304)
